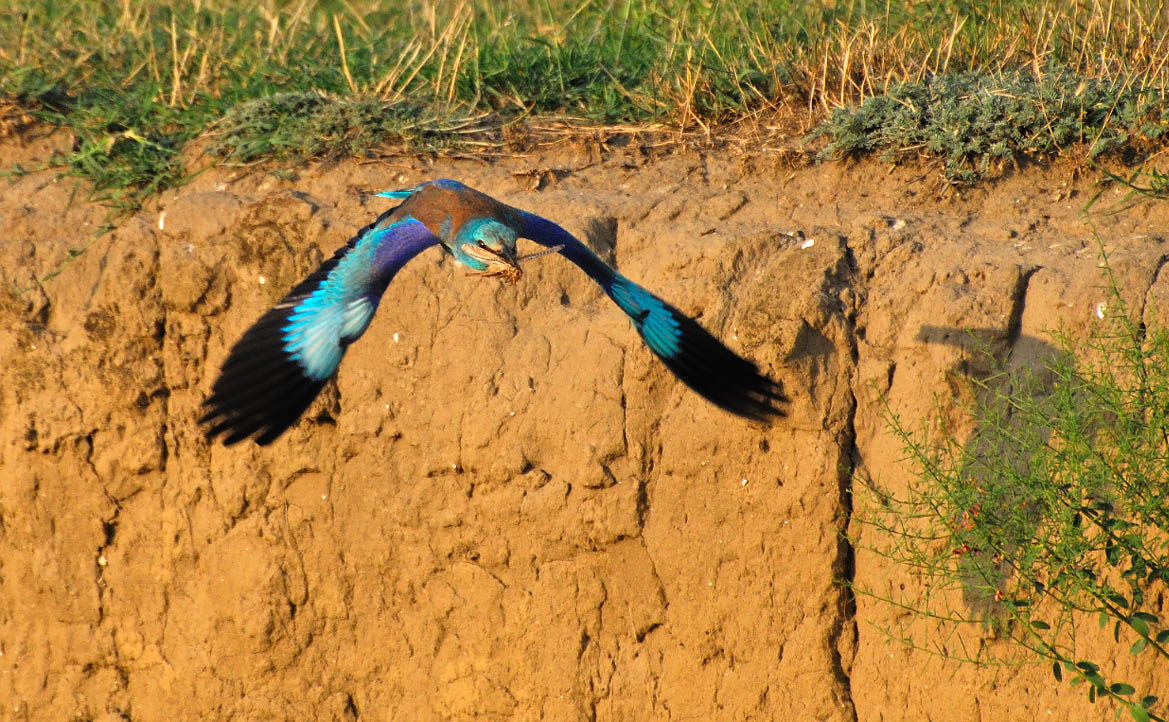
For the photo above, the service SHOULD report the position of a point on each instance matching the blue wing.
(698, 359)
(283, 361)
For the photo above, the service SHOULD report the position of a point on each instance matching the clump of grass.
(1051, 515)
(126, 145)
(978, 122)
(292, 126)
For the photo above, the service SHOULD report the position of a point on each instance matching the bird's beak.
(510, 257)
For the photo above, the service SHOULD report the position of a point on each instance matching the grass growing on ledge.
(136, 81)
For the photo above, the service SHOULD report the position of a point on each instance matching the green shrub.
(978, 121)
(1052, 512)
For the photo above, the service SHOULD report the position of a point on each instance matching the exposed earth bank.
(506, 508)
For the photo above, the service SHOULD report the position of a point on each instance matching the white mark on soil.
(807, 244)
(1100, 307)
(263, 280)
(395, 337)
(162, 220)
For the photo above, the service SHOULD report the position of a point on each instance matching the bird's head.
(488, 247)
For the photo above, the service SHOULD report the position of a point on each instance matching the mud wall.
(505, 508)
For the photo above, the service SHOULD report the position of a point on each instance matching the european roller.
(283, 361)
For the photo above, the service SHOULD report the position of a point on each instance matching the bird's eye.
(482, 245)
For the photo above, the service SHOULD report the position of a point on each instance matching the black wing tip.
(260, 392)
(757, 401)
(721, 376)
(263, 414)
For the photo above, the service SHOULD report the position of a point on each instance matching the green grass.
(135, 82)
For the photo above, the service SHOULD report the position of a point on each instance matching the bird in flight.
(283, 361)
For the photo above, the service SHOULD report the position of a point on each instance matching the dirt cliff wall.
(505, 508)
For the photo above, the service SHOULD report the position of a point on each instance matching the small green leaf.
(1150, 618)
(1037, 624)
(1056, 671)
(1163, 636)
(1087, 666)
(1112, 554)
(1149, 701)
(1140, 625)
(1116, 631)
(1139, 646)
(1138, 712)
(1121, 688)
(1092, 694)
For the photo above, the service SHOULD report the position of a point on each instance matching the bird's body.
(281, 363)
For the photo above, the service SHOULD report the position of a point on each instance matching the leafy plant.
(976, 121)
(1050, 513)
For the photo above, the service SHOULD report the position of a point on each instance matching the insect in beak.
(504, 264)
